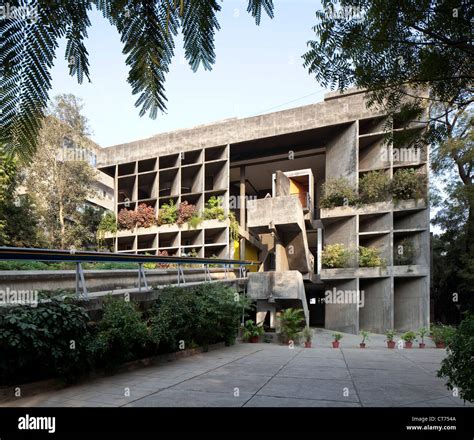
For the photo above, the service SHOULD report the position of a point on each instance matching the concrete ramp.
(277, 290)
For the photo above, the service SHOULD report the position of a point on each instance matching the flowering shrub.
(145, 216)
(369, 257)
(335, 256)
(126, 218)
(185, 212)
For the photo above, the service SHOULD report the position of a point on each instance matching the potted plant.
(365, 337)
(390, 334)
(337, 337)
(291, 323)
(422, 332)
(252, 331)
(442, 335)
(308, 336)
(409, 337)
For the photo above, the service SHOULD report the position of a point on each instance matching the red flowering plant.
(127, 218)
(185, 212)
(145, 216)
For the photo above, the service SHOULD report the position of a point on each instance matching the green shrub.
(168, 213)
(408, 184)
(334, 256)
(108, 223)
(369, 257)
(337, 336)
(173, 319)
(404, 253)
(213, 209)
(292, 321)
(458, 366)
(122, 334)
(52, 339)
(251, 330)
(219, 309)
(374, 186)
(441, 333)
(338, 192)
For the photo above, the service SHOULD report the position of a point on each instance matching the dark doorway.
(316, 306)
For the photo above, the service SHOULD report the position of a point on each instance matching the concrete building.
(268, 171)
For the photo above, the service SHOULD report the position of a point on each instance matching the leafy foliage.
(147, 31)
(408, 184)
(291, 321)
(122, 334)
(409, 336)
(213, 209)
(334, 256)
(404, 253)
(108, 224)
(374, 186)
(458, 367)
(441, 333)
(251, 330)
(338, 192)
(51, 339)
(168, 213)
(370, 257)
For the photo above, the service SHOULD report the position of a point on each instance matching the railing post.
(80, 281)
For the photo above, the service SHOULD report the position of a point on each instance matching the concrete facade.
(268, 171)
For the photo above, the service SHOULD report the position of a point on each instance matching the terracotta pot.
(408, 344)
(253, 339)
(362, 345)
(391, 344)
(422, 345)
(307, 344)
(440, 345)
(335, 344)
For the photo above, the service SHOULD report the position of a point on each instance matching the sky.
(258, 69)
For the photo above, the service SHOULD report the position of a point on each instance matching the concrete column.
(262, 308)
(320, 251)
(243, 207)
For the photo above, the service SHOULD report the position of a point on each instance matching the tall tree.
(415, 59)
(147, 29)
(59, 182)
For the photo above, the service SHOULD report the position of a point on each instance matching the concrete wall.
(342, 317)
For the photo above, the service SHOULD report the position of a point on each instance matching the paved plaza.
(271, 375)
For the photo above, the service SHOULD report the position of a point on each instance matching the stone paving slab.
(272, 375)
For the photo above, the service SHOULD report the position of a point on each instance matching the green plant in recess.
(338, 192)
(409, 336)
(195, 221)
(374, 186)
(458, 366)
(291, 321)
(168, 213)
(251, 330)
(334, 256)
(370, 257)
(337, 336)
(404, 253)
(213, 209)
(365, 336)
(408, 184)
(233, 227)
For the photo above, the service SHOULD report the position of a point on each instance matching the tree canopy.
(147, 30)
